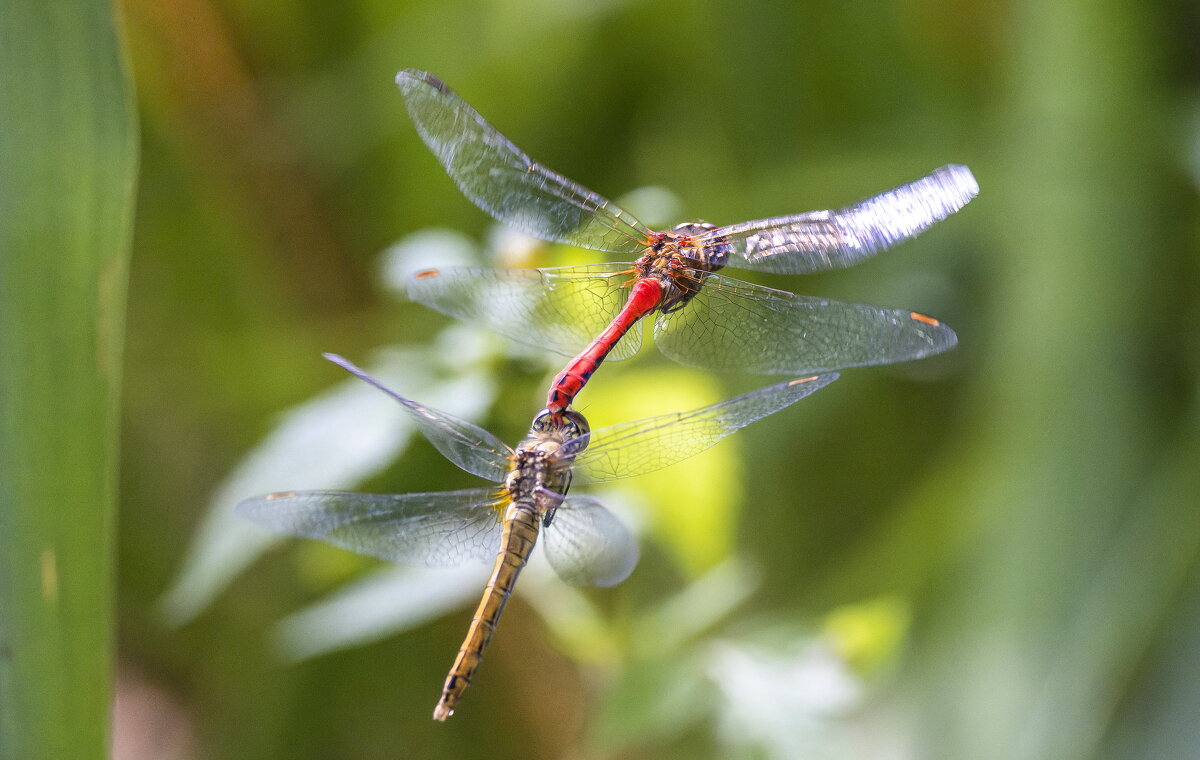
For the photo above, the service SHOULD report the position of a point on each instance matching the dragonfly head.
(567, 425)
(711, 252)
(692, 229)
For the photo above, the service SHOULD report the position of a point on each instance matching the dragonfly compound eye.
(575, 424)
(712, 252)
(544, 423)
(567, 425)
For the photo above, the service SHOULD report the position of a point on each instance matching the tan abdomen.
(520, 532)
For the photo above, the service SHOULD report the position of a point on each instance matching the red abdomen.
(644, 298)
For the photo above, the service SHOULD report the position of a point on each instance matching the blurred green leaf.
(789, 698)
(651, 701)
(1017, 494)
(333, 441)
(691, 507)
(1059, 596)
(868, 634)
(689, 614)
(380, 604)
(68, 144)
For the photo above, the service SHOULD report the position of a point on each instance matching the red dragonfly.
(727, 324)
(584, 542)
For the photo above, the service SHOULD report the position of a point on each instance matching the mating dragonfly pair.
(703, 318)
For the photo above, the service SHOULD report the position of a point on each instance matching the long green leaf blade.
(67, 164)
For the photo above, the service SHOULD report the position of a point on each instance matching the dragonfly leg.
(554, 499)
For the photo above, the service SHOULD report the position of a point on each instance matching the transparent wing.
(436, 529)
(821, 240)
(560, 309)
(465, 444)
(736, 326)
(636, 448)
(505, 182)
(588, 546)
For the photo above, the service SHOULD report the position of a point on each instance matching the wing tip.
(963, 179)
(941, 335)
(341, 361)
(936, 334)
(949, 339)
(408, 77)
(252, 508)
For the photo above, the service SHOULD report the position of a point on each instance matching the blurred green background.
(989, 554)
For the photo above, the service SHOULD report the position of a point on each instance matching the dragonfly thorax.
(541, 464)
(681, 260)
(540, 472)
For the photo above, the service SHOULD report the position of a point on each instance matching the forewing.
(636, 448)
(734, 326)
(588, 546)
(442, 529)
(560, 309)
(465, 444)
(821, 240)
(505, 182)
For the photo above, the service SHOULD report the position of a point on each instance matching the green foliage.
(987, 554)
(67, 162)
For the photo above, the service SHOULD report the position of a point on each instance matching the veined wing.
(736, 326)
(821, 240)
(636, 448)
(465, 444)
(442, 529)
(587, 545)
(505, 182)
(560, 309)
